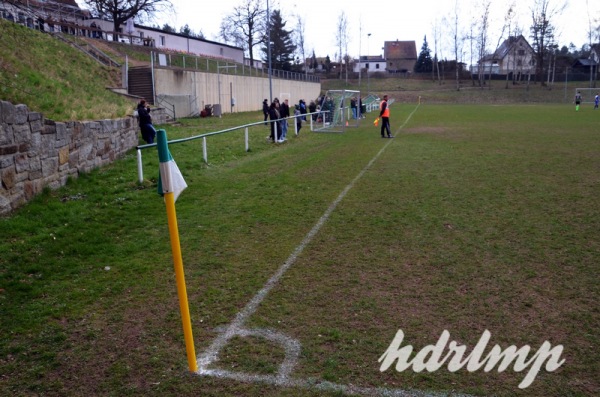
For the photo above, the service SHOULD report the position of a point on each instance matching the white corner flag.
(170, 179)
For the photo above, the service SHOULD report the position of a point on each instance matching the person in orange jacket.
(384, 114)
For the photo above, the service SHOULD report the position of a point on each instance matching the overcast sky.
(387, 21)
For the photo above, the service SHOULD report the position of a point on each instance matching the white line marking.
(292, 346)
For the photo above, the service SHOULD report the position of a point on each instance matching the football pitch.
(304, 260)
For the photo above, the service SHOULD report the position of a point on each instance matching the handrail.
(208, 134)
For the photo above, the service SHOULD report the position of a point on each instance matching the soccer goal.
(587, 94)
(340, 109)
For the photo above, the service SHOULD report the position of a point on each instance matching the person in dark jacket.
(145, 122)
(266, 110)
(274, 115)
(312, 108)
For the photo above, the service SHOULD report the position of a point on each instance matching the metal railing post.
(247, 140)
(204, 150)
(139, 165)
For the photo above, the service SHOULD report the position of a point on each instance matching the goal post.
(339, 109)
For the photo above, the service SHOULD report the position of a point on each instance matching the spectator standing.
(266, 110)
(353, 107)
(298, 118)
(284, 111)
(145, 122)
(302, 108)
(312, 108)
(274, 116)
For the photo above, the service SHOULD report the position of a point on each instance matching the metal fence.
(223, 66)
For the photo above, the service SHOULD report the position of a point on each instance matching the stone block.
(6, 161)
(9, 177)
(6, 134)
(36, 125)
(61, 131)
(35, 164)
(8, 112)
(5, 206)
(21, 162)
(21, 114)
(8, 149)
(49, 166)
(74, 159)
(49, 127)
(22, 133)
(34, 116)
(20, 177)
(63, 155)
(31, 188)
(36, 140)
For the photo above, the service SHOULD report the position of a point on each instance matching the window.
(521, 52)
(162, 40)
(376, 66)
(221, 52)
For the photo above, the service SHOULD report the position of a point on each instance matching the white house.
(370, 63)
(514, 55)
(66, 16)
(144, 35)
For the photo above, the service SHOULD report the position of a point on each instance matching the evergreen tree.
(327, 64)
(168, 28)
(282, 44)
(186, 31)
(424, 62)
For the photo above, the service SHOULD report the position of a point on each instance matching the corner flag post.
(170, 184)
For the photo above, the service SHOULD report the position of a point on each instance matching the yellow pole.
(180, 278)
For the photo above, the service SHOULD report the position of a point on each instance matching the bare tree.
(542, 33)
(457, 44)
(436, 45)
(591, 39)
(471, 38)
(119, 11)
(482, 39)
(245, 26)
(299, 40)
(341, 37)
(510, 15)
(495, 54)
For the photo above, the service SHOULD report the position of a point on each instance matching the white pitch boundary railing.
(204, 141)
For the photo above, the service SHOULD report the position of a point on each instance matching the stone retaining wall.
(36, 152)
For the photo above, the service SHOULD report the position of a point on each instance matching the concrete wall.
(36, 152)
(248, 91)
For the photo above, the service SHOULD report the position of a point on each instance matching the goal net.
(340, 109)
(587, 94)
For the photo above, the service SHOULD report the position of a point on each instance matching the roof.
(158, 30)
(400, 50)
(371, 58)
(70, 3)
(509, 44)
(585, 62)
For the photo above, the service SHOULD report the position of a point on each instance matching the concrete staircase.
(140, 83)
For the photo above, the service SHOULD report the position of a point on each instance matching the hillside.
(53, 78)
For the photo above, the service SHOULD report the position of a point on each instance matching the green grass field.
(474, 217)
